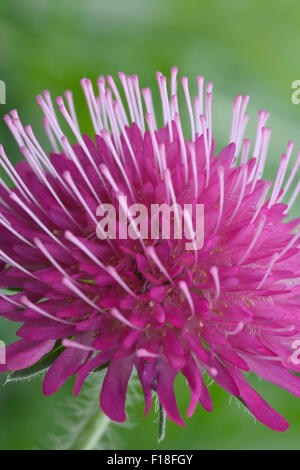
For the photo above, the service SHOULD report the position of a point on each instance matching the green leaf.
(101, 368)
(161, 424)
(11, 291)
(242, 401)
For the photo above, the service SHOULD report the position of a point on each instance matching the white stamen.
(221, 204)
(133, 225)
(208, 103)
(133, 100)
(169, 185)
(92, 106)
(115, 90)
(135, 82)
(69, 179)
(163, 107)
(185, 85)
(237, 330)
(106, 136)
(50, 135)
(215, 274)
(123, 80)
(46, 253)
(10, 300)
(151, 252)
(13, 175)
(145, 353)
(37, 309)
(43, 157)
(278, 180)
(70, 101)
(105, 171)
(80, 140)
(70, 153)
(173, 85)
(271, 358)
(273, 261)
(290, 244)
(183, 286)
(16, 198)
(101, 101)
(7, 119)
(235, 118)
(262, 119)
(68, 283)
(117, 314)
(241, 125)
(113, 273)
(244, 173)
(192, 234)
(124, 133)
(149, 120)
(261, 201)
(74, 344)
(194, 168)
(260, 163)
(245, 151)
(49, 102)
(113, 123)
(50, 116)
(7, 225)
(293, 198)
(48, 185)
(69, 236)
(95, 105)
(207, 153)
(7, 259)
(174, 105)
(182, 146)
(198, 105)
(166, 105)
(257, 232)
(146, 92)
(291, 177)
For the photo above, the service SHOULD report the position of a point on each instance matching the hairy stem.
(91, 433)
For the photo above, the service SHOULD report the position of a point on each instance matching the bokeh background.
(243, 47)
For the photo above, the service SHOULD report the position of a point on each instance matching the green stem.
(90, 435)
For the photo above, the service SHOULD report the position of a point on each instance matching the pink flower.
(227, 308)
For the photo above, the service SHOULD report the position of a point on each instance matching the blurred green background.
(243, 47)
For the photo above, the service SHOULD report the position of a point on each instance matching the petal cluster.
(227, 308)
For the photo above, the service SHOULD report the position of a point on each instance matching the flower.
(229, 307)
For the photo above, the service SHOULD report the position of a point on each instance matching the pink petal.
(113, 393)
(24, 353)
(260, 409)
(165, 391)
(192, 374)
(62, 368)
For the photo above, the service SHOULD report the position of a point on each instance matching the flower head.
(86, 301)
